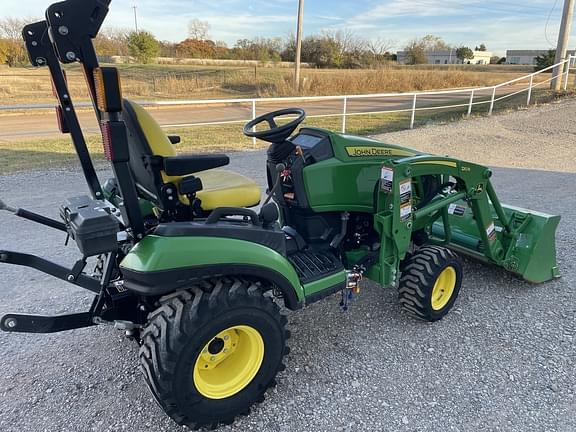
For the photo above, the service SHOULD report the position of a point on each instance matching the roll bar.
(66, 37)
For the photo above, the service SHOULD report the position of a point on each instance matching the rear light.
(108, 89)
(107, 140)
(62, 123)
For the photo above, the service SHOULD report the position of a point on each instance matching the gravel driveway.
(503, 359)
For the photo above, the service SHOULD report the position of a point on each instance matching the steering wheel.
(275, 134)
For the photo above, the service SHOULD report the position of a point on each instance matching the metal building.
(526, 57)
(440, 57)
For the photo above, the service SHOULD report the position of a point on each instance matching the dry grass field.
(30, 86)
(23, 85)
(33, 154)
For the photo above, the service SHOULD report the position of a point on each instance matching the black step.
(314, 265)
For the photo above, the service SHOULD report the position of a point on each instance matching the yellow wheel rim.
(443, 288)
(229, 362)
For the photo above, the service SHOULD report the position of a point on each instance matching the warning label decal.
(405, 199)
(491, 232)
(405, 212)
(386, 178)
(405, 191)
(456, 210)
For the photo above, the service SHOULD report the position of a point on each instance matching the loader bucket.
(528, 250)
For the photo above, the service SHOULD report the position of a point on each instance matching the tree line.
(328, 49)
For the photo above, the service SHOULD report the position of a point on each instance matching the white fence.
(465, 97)
(231, 111)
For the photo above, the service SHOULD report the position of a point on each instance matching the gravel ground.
(537, 138)
(503, 359)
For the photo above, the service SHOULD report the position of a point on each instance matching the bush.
(545, 60)
(143, 46)
(464, 53)
(415, 53)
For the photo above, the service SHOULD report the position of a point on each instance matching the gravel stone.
(371, 368)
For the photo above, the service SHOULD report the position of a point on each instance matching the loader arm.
(467, 216)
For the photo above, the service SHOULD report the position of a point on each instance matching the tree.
(112, 41)
(13, 50)
(415, 52)
(198, 29)
(464, 53)
(482, 47)
(417, 49)
(377, 51)
(545, 60)
(434, 43)
(495, 60)
(379, 47)
(262, 49)
(143, 46)
(195, 48)
(335, 49)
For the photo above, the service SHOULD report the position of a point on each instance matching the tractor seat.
(222, 188)
(147, 140)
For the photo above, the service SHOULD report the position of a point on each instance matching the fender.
(160, 265)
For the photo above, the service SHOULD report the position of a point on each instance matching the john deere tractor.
(186, 266)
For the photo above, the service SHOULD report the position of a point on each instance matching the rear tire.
(430, 282)
(228, 327)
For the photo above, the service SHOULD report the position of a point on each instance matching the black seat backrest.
(146, 139)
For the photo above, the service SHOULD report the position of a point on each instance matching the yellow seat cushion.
(222, 188)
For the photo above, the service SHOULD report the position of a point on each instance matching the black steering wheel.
(276, 134)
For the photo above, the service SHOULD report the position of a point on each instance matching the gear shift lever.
(279, 169)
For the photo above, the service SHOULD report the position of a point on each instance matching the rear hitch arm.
(48, 267)
(16, 323)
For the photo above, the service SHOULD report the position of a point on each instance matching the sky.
(501, 25)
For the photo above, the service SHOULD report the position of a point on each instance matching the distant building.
(525, 57)
(441, 57)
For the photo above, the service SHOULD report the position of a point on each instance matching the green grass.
(58, 152)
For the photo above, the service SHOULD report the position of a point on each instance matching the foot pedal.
(15, 323)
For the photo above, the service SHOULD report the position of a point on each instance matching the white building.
(441, 57)
(525, 57)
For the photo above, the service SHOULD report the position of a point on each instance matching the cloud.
(514, 24)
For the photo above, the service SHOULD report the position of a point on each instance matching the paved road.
(33, 124)
(503, 360)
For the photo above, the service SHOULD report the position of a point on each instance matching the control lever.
(279, 169)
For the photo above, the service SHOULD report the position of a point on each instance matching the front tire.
(210, 352)
(430, 282)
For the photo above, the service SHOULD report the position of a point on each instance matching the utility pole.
(298, 45)
(563, 38)
(135, 18)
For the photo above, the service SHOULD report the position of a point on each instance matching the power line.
(521, 9)
(548, 22)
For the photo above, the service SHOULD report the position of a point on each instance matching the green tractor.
(187, 268)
